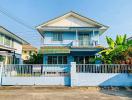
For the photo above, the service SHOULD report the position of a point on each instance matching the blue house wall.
(67, 37)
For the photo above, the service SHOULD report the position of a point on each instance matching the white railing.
(74, 43)
(87, 43)
(103, 68)
(82, 43)
(36, 70)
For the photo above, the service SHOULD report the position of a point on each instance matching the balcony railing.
(74, 43)
(82, 43)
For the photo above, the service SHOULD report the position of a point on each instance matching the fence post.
(73, 74)
(1, 70)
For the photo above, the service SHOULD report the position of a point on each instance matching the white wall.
(103, 79)
(81, 79)
(99, 79)
(71, 22)
(36, 80)
(18, 47)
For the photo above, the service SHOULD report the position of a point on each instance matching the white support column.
(93, 38)
(76, 37)
(98, 38)
(73, 74)
(6, 59)
(93, 33)
(1, 71)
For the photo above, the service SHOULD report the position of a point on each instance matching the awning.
(54, 50)
(89, 49)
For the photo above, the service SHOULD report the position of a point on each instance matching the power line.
(18, 20)
(24, 31)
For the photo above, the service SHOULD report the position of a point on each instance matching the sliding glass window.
(1, 38)
(57, 36)
(7, 41)
(57, 60)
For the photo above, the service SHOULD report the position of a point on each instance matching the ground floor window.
(57, 59)
(84, 59)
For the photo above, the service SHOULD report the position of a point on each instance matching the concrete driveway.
(62, 93)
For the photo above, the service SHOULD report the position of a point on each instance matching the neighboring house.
(70, 38)
(10, 46)
(27, 51)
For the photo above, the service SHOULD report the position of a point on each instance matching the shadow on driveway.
(118, 91)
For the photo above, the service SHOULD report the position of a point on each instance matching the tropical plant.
(120, 40)
(115, 52)
(35, 59)
(1, 58)
(110, 42)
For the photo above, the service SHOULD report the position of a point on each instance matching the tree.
(35, 59)
(115, 52)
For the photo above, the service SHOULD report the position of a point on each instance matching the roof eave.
(22, 41)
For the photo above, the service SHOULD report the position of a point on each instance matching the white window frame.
(57, 58)
(57, 36)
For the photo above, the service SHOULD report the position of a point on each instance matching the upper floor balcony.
(73, 39)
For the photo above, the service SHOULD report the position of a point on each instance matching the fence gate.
(35, 74)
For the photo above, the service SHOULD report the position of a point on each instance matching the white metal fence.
(26, 70)
(103, 68)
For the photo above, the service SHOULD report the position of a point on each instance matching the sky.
(117, 14)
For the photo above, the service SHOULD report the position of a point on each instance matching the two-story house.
(10, 47)
(70, 38)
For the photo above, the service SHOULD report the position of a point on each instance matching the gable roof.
(76, 15)
(12, 35)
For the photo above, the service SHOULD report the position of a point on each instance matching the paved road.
(62, 93)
